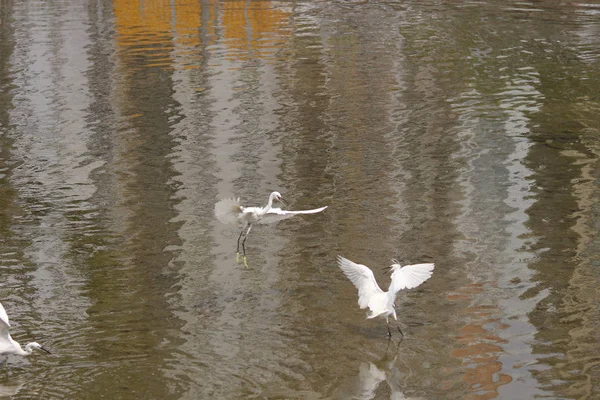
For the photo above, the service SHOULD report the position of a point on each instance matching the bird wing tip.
(342, 259)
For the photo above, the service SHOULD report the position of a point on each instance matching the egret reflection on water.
(10, 390)
(371, 374)
(364, 386)
(230, 211)
(8, 344)
(370, 294)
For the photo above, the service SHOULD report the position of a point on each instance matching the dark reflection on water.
(465, 134)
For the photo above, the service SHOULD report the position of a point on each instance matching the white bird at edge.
(370, 294)
(8, 344)
(231, 211)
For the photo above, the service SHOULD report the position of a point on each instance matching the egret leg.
(237, 252)
(389, 331)
(244, 245)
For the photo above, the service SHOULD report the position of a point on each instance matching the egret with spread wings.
(380, 303)
(8, 344)
(231, 211)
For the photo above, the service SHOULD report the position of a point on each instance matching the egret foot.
(237, 257)
(245, 262)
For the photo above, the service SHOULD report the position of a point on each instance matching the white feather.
(409, 276)
(362, 277)
(4, 315)
(7, 344)
(277, 214)
(228, 211)
(370, 294)
(4, 329)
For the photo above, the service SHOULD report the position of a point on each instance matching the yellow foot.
(237, 257)
(245, 263)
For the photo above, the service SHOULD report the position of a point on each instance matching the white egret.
(7, 344)
(370, 294)
(231, 211)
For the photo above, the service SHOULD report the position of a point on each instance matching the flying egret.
(231, 211)
(370, 294)
(7, 344)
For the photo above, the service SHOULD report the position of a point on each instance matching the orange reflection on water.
(155, 32)
(142, 21)
(189, 40)
(253, 27)
(482, 349)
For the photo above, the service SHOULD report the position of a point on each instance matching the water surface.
(461, 133)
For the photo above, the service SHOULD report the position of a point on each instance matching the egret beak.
(45, 349)
(282, 201)
(394, 261)
(387, 269)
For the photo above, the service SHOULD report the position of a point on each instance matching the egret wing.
(277, 214)
(362, 277)
(4, 323)
(410, 276)
(3, 316)
(228, 210)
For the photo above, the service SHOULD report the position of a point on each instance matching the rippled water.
(462, 133)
